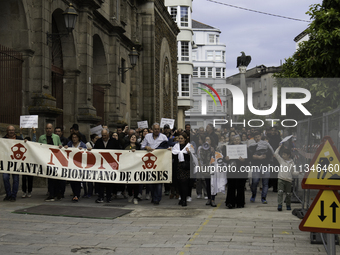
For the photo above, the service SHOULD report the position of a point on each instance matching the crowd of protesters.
(191, 150)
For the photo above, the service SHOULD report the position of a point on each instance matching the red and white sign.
(113, 166)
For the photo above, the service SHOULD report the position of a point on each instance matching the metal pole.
(331, 249)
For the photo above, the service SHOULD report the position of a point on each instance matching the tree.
(318, 57)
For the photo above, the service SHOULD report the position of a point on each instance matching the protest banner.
(72, 164)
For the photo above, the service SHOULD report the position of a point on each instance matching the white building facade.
(180, 11)
(208, 56)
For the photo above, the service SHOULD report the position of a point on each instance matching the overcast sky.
(266, 38)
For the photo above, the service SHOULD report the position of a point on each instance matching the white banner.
(112, 166)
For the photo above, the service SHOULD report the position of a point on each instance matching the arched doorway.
(100, 78)
(57, 73)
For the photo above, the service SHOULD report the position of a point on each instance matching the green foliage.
(318, 57)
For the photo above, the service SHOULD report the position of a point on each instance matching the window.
(122, 75)
(196, 106)
(184, 17)
(260, 84)
(195, 89)
(218, 72)
(185, 85)
(194, 55)
(265, 99)
(218, 55)
(210, 55)
(265, 84)
(223, 56)
(202, 73)
(184, 51)
(173, 13)
(219, 108)
(210, 106)
(195, 72)
(211, 38)
(209, 72)
(258, 100)
(223, 73)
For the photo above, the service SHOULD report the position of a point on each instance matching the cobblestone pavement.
(164, 229)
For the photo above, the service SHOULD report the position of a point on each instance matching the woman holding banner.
(76, 185)
(133, 146)
(181, 160)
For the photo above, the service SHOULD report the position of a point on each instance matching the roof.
(196, 24)
(300, 36)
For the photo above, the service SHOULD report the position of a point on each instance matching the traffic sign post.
(323, 216)
(323, 173)
(324, 170)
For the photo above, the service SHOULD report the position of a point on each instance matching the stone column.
(86, 112)
(243, 85)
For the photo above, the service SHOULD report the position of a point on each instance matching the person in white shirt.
(152, 141)
(285, 176)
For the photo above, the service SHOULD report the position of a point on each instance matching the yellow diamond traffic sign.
(324, 170)
(323, 216)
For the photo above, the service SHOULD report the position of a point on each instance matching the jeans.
(11, 192)
(156, 192)
(284, 187)
(255, 181)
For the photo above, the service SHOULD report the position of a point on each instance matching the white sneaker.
(23, 195)
(189, 199)
(179, 197)
(29, 195)
(119, 193)
(199, 196)
(205, 198)
(130, 199)
(139, 196)
(135, 201)
(147, 197)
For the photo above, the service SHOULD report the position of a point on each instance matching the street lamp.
(133, 56)
(70, 17)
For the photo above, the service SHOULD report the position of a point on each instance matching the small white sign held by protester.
(29, 121)
(170, 122)
(142, 124)
(237, 151)
(97, 130)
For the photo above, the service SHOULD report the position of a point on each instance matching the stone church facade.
(75, 78)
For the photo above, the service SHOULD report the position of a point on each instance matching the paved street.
(164, 229)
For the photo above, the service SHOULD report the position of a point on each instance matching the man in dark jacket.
(58, 131)
(105, 142)
(11, 194)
